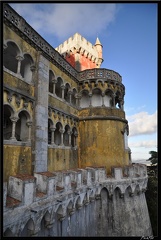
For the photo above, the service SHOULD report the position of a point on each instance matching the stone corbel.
(25, 105)
(121, 195)
(9, 97)
(18, 100)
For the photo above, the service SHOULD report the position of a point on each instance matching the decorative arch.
(137, 190)
(28, 228)
(117, 193)
(85, 100)
(104, 193)
(8, 233)
(45, 220)
(128, 191)
(60, 213)
(70, 208)
(27, 66)
(57, 134)
(66, 135)
(10, 54)
(22, 130)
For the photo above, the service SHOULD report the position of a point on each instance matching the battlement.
(78, 44)
(26, 189)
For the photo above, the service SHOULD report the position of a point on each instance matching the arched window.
(7, 124)
(10, 54)
(66, 135)
(66, 92)
(57, 135)
(96, 97)
(22, 130)
(26, 65)
(58, 89)
(84, 101)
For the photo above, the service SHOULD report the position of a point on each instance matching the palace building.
(67, 166)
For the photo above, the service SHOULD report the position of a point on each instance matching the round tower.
(103, 128)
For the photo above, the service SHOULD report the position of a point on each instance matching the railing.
(101, 73)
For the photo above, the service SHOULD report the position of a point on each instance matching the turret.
(99, 48)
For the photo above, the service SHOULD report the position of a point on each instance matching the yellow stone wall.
(17, 159)
(17, 83)
(62, 105)
(62, 159)
(101, 143)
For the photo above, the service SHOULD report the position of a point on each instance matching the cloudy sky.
(128, 33)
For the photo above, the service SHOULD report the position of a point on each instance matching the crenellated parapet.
(53, 196)
(81, 53)
(29, 189)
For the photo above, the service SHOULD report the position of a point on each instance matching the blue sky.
(128, 33)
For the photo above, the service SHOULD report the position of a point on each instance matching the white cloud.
(145, 144)
(142, 123)
(63, 20)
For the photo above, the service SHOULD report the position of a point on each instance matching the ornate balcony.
(99, 73)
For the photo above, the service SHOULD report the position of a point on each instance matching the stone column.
(69, 133)
(19, 58)
(54, 81)
(61, 131)
(32, 68)
(62, 87)
(113, 96)
(78, 97)
(103, 95)
(75, 139)
(90, 98)
(70, 96)
(41, 116)
(14, 120)
(52, 135)
(29, 124)
(122, 104)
